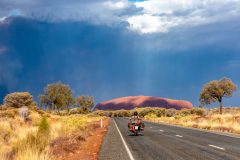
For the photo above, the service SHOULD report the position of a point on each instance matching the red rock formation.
(142, 101)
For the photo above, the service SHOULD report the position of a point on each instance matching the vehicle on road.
(136, 124)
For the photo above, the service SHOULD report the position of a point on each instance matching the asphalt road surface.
(165, 142)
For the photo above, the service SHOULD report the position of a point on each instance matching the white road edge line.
(179, 136)
(124, 143)
(216, 147)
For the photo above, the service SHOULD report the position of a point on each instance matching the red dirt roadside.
(82, 149)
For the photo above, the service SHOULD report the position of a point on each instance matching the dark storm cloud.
(144, 17)
(107, 12)
(109, 62)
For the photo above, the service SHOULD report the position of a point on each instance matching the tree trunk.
(221, 106)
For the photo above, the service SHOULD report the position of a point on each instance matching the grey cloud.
(96, 11)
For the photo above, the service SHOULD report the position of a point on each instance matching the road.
(165, 142)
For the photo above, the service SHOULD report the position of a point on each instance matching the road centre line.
(179, 136)
(216, 147)
(198, 129)
(124, 142)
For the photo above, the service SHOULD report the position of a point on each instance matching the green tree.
(85, 103)
(57, 96)
(216, 90)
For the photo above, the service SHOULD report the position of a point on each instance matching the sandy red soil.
(81, 147)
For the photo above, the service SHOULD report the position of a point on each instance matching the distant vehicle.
(136, 124)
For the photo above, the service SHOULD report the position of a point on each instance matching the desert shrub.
(77, 111)
(98, 113)
(109, 114)
(198, 111)
(43, 113)
(63, 113)
(142, 112)
(122, 113)
(104, 113)
(161, 112)
(41, 139)
(183, 112)
(18, 99)
(170, 112)
(34, 143)
(151, 115)
(152, 112)
(44, 126)
(114, 114)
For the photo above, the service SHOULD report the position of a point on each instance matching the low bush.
(104, 113)
(18, 99)
(121, 113)
(198, 111)
(76, 111)
(151, 115)
(44, 126)
(171, 112)
(146, 111)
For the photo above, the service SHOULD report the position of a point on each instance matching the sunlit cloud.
(162, 16)
(116, 5)
(149, 16)
(2, 19)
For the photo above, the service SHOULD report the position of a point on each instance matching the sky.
(115, 48)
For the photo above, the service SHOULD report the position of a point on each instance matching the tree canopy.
(57, 96)
(85, 103)
(216, 90)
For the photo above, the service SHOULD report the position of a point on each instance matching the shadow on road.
(136, 135)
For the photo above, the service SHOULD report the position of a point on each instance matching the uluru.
(132, 102)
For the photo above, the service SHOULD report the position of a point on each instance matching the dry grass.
(31, 140)
(229, 121)
(197, 117)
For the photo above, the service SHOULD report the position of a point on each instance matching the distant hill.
(132, 102)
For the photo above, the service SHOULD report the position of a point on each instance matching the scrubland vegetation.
(28, 132)
(209, 119)
(32, 140)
